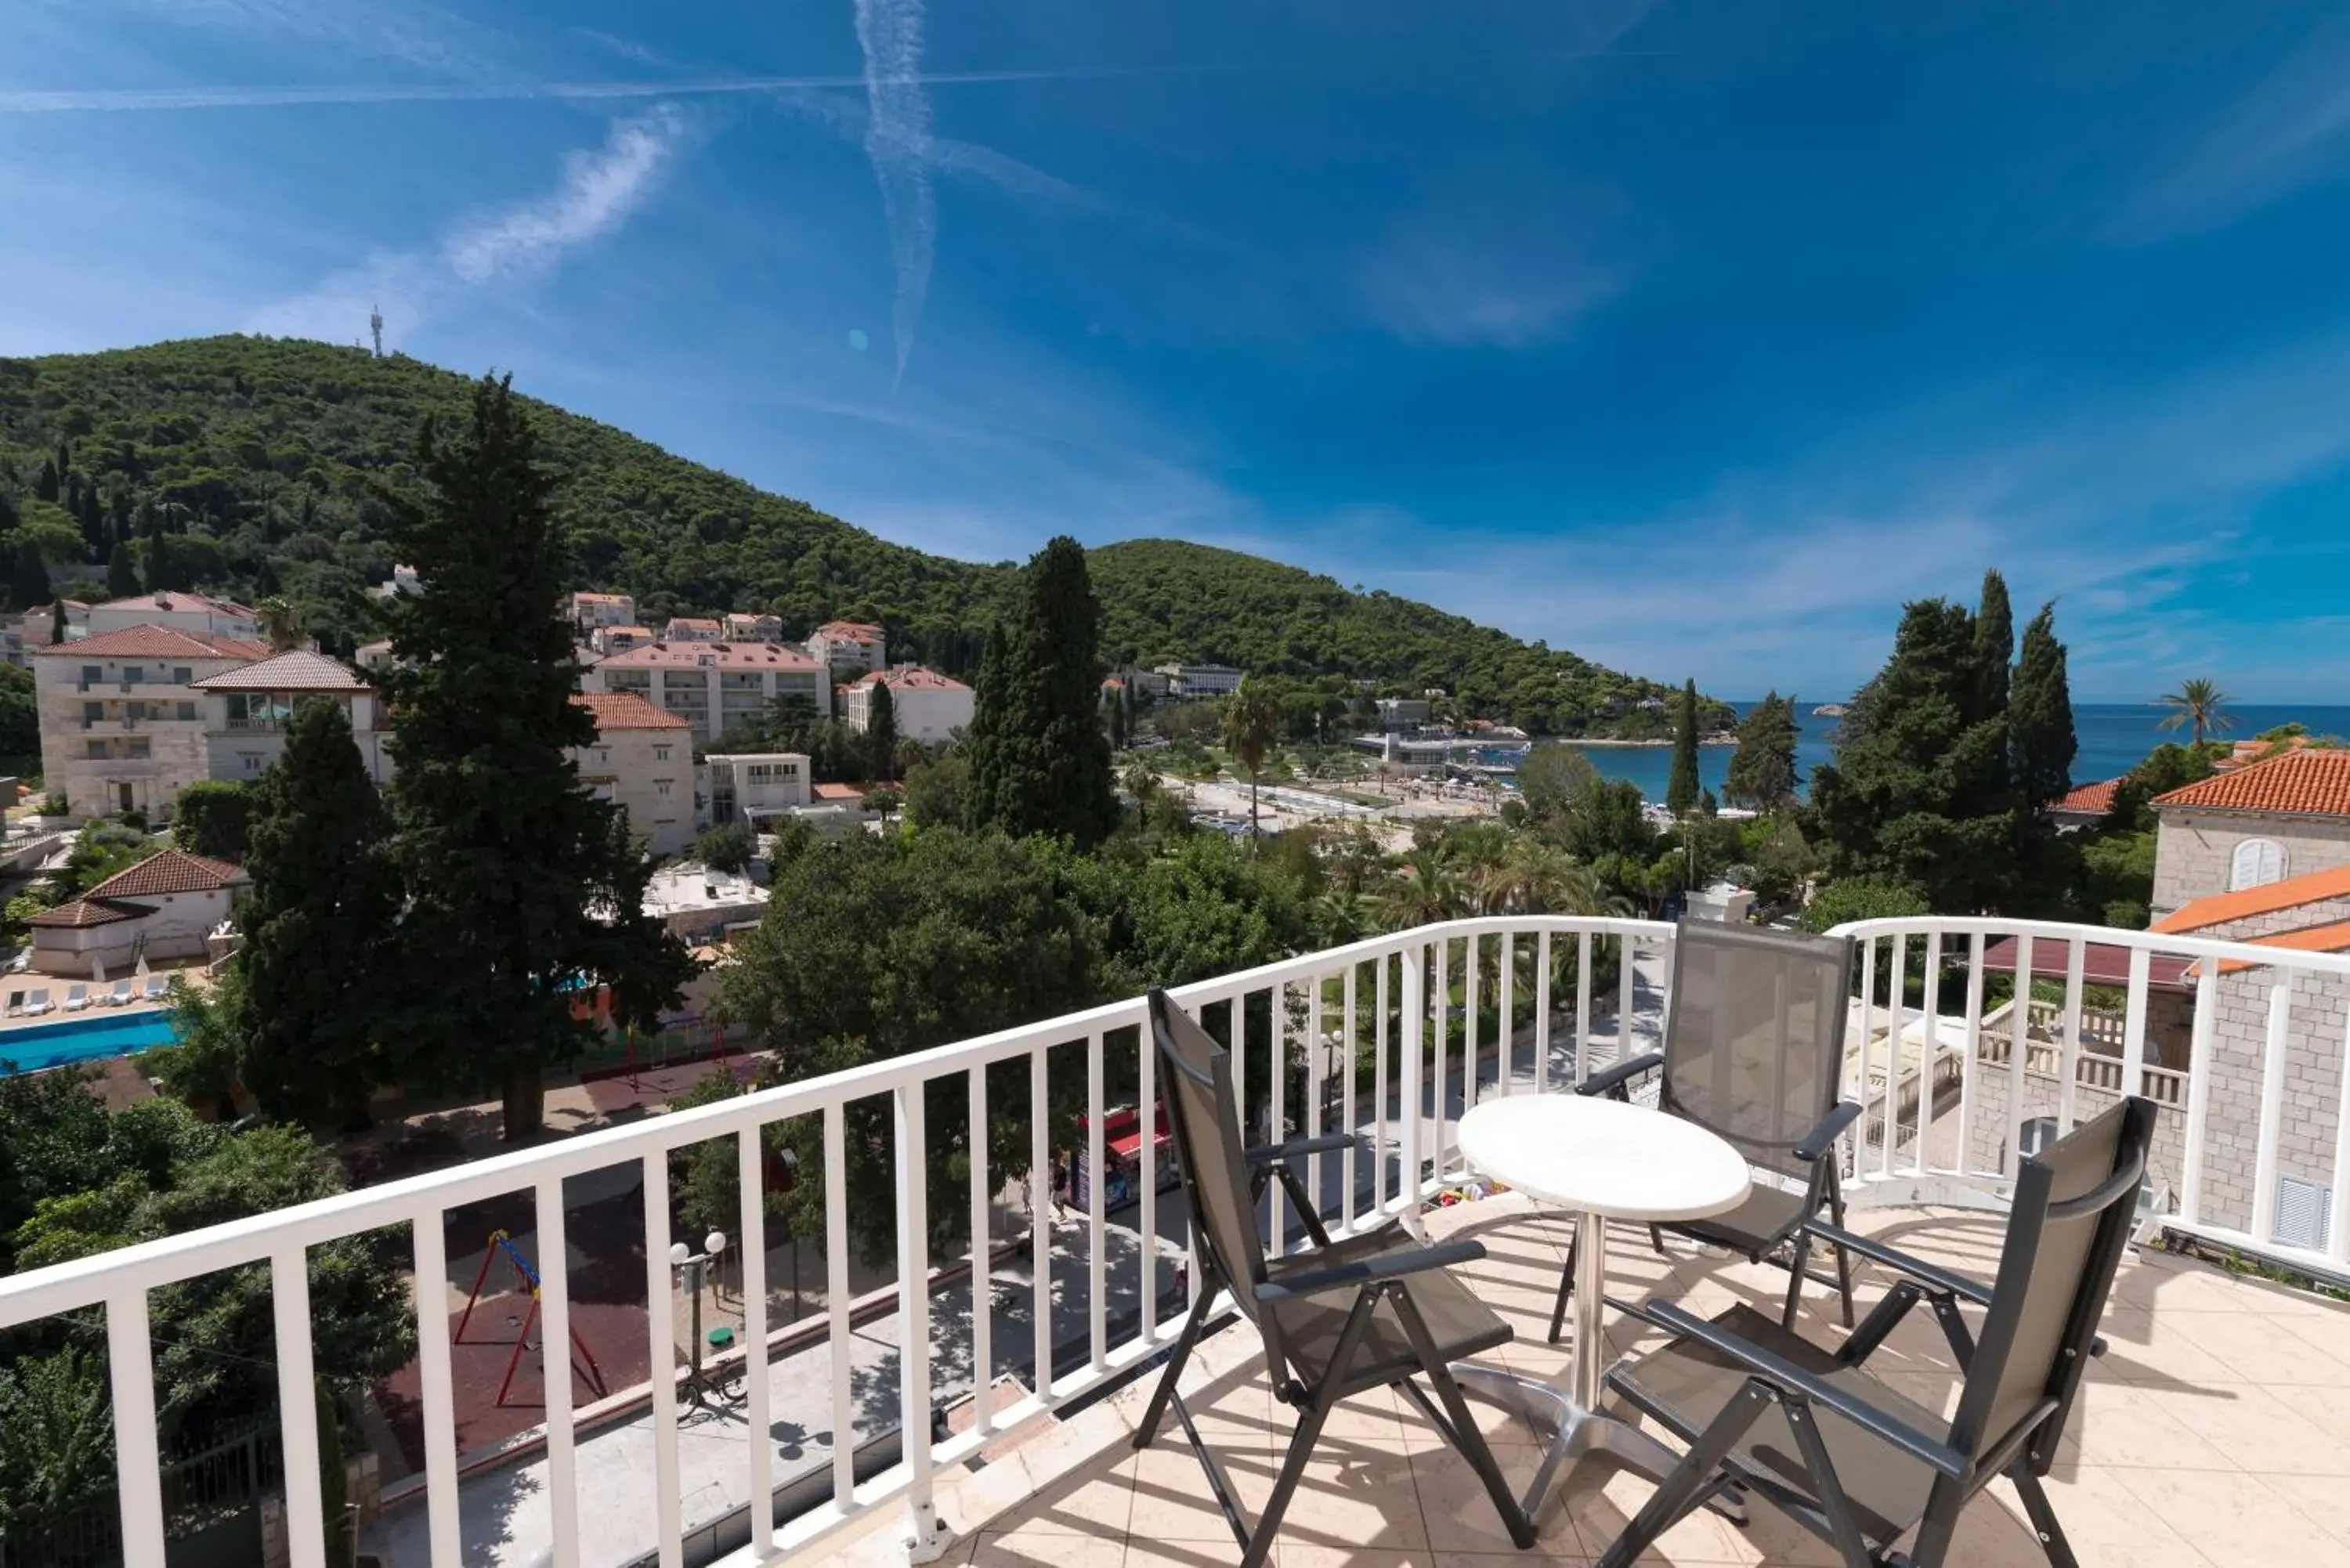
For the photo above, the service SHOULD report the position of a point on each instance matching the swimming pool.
(38, 1045)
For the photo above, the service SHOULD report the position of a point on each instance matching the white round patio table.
(1605, 1160)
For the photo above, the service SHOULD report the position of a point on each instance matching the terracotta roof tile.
(2089, 799)
(912, 677)
(724, 655)
(2332, 938)
(86, 912)
(298, 670)
(174, 603)
(170, 871)
(2265, 899)
(158, 642)
(853, 631)
(626, 710)
(2298, 783)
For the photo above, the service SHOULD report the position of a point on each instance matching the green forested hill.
(257, 465)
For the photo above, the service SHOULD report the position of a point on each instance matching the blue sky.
(1693, 337)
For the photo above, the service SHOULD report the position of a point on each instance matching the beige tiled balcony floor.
(2215, 1431)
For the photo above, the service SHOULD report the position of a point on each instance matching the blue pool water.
(38, 1045)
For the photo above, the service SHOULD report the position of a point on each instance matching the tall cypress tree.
(521, 884)
(1994, 645)
(121, 574)
(47, 483)
(882, 731)
(1039, 760)
(30, 581)
(324, 898)
(2041, 741)
(1681, 788)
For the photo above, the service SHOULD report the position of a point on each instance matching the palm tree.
(1141, 782)
(1251, 723)
(280, 626)
(1429, 890)
(2202, 705)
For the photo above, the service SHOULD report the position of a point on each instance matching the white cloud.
(598, 193)
(897, 140)
(1480, 271)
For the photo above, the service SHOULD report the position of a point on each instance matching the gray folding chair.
(1367, 1311)
(1853, 1461)
(1753, 1053)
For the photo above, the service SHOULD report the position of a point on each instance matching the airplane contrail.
(150, 100)
(897, 144)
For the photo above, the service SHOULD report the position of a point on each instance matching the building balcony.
(2211, 1431)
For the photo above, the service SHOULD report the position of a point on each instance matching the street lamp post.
(693, 1267)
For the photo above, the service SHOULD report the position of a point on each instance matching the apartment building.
(714, 687)
(693, 628)
(642, 762)
(1193, 681)
(122, 726)
(590, 611)
(183, 612)
(755, 787)
(2273, 820)
(619, 638)
(742, 627)
(247, 710)
(927, 706)
(21, 635)
(849, 646)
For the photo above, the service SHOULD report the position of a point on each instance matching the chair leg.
(1795, 1267)
(1176, 1358)
(1657, 1240)
(1691, 1480)
(2043, 1519)
(1516, 1519)
(1565, 1289)
(1842, 1258)
(1301, 1448)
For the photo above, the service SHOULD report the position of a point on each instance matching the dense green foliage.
(20, 721)
(1763, 770)
(519, 881)
(261, 466)
(212, 817)
(1039, 760)
(323, 900)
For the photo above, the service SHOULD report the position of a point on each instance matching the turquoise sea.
(2114, 736)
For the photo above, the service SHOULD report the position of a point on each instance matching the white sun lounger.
(77, 998)
(123, 993)
(36, 1001)
(158, 988)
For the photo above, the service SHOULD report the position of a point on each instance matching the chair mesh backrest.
(1197, 1075)
(1754, 1036)
(2056, 1272)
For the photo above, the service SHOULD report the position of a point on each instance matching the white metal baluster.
(431, 1254)
(1582, 1008)
(1347, 1162)
(1629, 952)
(1277, 1126)
(662, 1330)
(1542, 1014)
(1439, 1009)
(1968, 1066)
(2141, 963)
(1412, 1114)
(1472, 963)
(1897, 997)
(2264, 1166)
(1314, 1050)
(914, 1320)
(554, 1364)
(982, 1277)
(2019, 1043)
(2068, 1051)
(1506, 1042)
(297, 1405)
(1930, 1055)
(1867, 1050)
(758, 1411)
(138, 1461)
(1147, 1090)
(2199, 1089)
(836, 1304)
(1380, 1085)
(1040, 1230)
(1096, 1199)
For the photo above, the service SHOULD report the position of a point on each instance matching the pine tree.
(323, 901)
(1040, 763)
(882, 731)
(1762, 769)
(48, 483)
(121, 574)
(1681, 788)
(2039, 738)
(521, 884)
(30, 581)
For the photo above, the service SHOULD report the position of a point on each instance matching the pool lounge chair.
(123, 993)
(77, 998)
(158, 988)
(36, 1001)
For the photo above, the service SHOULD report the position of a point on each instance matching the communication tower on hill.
(375, 325)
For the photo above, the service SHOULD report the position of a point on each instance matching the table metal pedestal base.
(1575, 1432)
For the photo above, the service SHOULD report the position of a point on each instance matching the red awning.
(2106, 963)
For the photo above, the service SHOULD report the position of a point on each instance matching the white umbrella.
(97, 971)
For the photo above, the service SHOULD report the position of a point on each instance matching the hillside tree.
(1039, 761)
(122, 573)
(1994, 642)
(1681, 787)
(1763, 770)
(521, 884)
(2040, 740)
(1251, 724)
(881, 733)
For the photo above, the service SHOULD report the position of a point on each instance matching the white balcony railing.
(1948, 1103)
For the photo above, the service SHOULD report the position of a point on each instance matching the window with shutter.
(2257, 862)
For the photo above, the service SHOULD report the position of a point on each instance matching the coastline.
(1575, 741)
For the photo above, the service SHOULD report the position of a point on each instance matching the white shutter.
(2257, 862)
(2305, 1212)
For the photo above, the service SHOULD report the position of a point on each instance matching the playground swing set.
(527, 1276)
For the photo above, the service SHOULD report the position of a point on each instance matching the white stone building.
(247, 710)
(743, 626)
(642, 762)
(849, 646)
(619, 638)
(693, 628)
(184, 612)
(1195, 681)
(756, 787)
(122, 726)
(2272, 820)
(704, 907)
(714, 687)
(162, 908)
(590, 611)
(928, 707)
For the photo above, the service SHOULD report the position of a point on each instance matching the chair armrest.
(1790, 1378)
(1613, 1079)
(1299, 1147)
(1822, 1138)
(1918, 1269)
(1370, 1271)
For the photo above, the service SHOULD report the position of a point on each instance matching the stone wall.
(2193, 850)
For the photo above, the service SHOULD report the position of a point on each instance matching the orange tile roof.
(298, 670)
(170, 871)
(856, 630)
(847, 792)
(2089, 799)
(626, 710)
(2298, 783)
(172, 601)
(83, 913)
(912, 677)
(724, 655)
(2332, 938)
(2265, 899)
(586, 599)
(158, 642)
